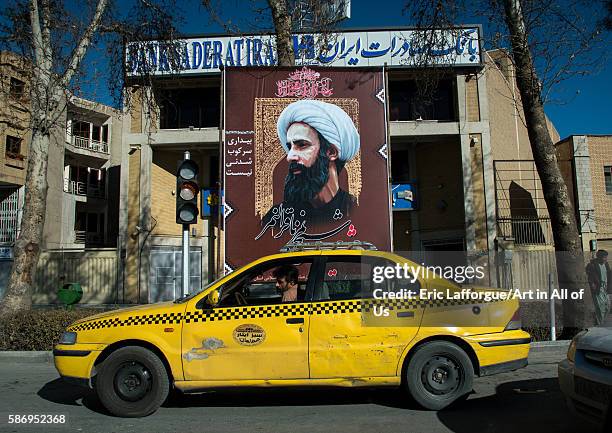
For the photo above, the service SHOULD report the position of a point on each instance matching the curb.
(27, 356)
(547, 352)
(43, 356)
(548, 346)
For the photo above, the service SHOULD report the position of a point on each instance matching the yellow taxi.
(300, 318)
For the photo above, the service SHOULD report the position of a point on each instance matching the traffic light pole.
(186, 248)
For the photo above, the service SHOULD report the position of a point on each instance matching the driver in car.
(287, 282)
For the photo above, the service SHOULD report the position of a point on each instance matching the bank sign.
(399, 48)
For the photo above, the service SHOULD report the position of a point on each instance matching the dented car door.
(263, 340)
(349, 336)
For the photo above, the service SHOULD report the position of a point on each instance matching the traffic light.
(187, 190)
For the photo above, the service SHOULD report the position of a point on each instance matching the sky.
(585, 103)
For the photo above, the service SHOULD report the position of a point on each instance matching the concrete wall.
(479, 191)
(472, 100)
(54, 218)
(133, 220)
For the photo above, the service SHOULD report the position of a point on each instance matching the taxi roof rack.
(306, 246)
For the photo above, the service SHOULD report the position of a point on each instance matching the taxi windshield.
(189, 296)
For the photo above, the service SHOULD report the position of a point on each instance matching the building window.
(196, 107)
(400, 165)
(105, 133)
(80, 129)
(13, 147)
(416, 100)
(608, 178)
(17, 88)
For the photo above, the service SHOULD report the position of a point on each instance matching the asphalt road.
(525, 401)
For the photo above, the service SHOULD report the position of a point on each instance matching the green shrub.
(535, 316)
(37, 329)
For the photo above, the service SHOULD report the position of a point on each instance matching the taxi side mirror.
(212, 299)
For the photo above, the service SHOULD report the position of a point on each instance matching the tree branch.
(46, 35)
(37, 38)
(81, 49)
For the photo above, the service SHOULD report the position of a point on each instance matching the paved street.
(520, 402)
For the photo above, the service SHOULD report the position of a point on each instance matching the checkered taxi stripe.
(255, 312)
(247, 312)
(148, 319)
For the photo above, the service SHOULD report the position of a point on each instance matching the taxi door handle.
(295, 320)
(405, 314)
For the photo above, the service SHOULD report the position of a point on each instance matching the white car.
(585, 377)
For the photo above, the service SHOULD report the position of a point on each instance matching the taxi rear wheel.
(132, 382)
(438, 374)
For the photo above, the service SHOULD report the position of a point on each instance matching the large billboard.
(459, 46)
(305, 159)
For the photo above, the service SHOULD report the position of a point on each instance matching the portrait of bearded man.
(319, 139)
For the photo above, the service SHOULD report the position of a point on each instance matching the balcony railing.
(89, 238)
(526, 231)
(86, 143)
(82, 188)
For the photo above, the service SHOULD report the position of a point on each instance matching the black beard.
(303, 187)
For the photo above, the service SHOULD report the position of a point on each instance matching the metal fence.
(531, 267)
(519, 203)
(526, 231)
(96, 270)
(10, 213)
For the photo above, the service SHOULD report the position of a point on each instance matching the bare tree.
(607, 21)
(282, 27)
(548, 43)
(54, 42)
(285, 17)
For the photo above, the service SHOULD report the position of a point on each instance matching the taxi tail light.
(515, 322)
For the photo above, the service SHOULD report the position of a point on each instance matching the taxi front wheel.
(132, 382)
(438, 374)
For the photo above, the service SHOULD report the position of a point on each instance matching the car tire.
(132, 382)
(438, 374)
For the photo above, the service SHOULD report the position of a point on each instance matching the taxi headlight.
(571, 351)
(68, 338)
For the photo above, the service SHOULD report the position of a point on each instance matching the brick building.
(482, 197)
(586, 164)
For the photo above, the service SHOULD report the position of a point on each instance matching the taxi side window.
(258, 286)
(352, 278)
(402, 283)
(343, 278)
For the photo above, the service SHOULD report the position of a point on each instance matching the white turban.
(329, 120)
